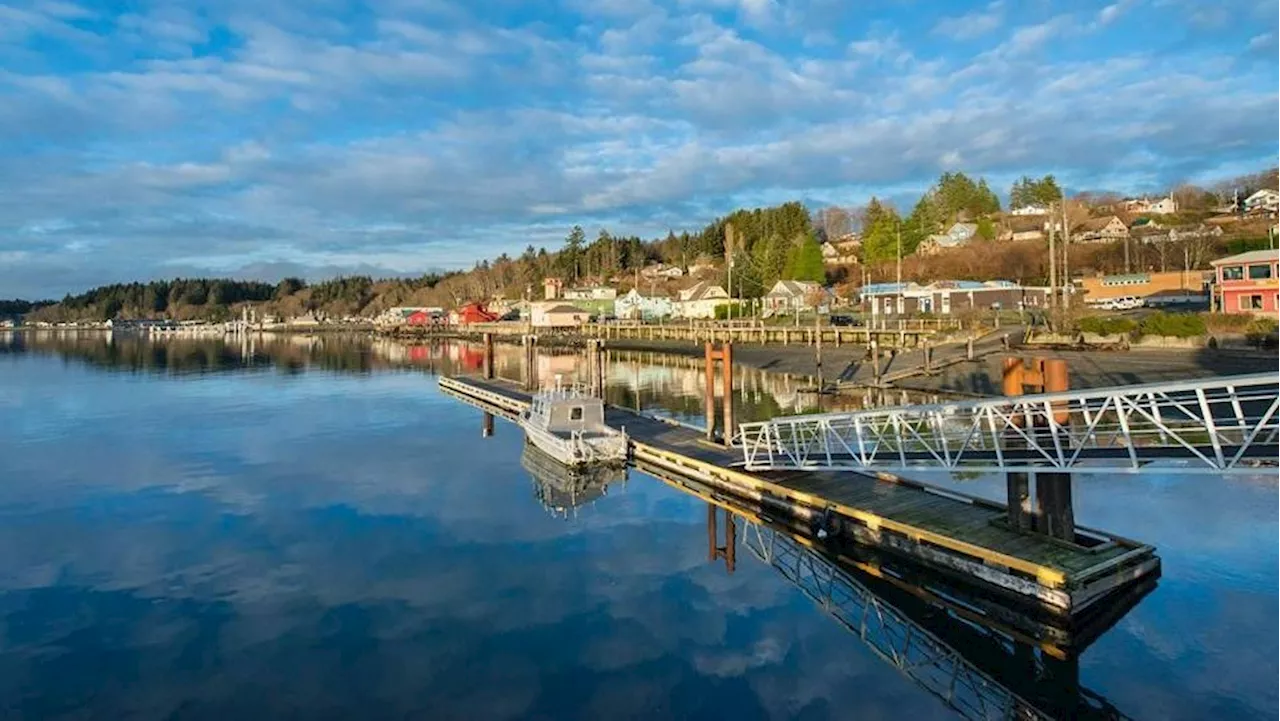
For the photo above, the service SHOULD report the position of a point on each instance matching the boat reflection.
(562, 490)
(982, 658)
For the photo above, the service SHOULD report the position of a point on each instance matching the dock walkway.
(949, 531)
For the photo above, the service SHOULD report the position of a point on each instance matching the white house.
(790, 295)
(557, 315)
(840, 253)
(641, 306)
(958, 235)
(1163, 206)
(701, 300)
(1100, 230)
(596, 293)
(1263, 201)
(1032, 209)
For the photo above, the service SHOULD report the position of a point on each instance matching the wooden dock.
(896, 334)
(944, 530)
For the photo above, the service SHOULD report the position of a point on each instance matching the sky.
(156, 139)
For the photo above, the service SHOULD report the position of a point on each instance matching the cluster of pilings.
(1051, 513)
(725, 355)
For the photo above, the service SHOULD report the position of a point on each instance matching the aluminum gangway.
(1216, 425)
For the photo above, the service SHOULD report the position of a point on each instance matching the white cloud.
(972, 25)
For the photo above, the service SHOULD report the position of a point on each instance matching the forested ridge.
(757, 247)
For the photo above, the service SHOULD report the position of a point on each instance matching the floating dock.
(947, 531)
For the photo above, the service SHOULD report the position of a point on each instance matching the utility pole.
(1066, 255)
(1053, 270)
(898, 306)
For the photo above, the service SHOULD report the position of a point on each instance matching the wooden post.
(1053, 490)
(486, 425)
(875, 361)
(711, 532)
(488, 356)
(968, 349)
(726, 358)
(928, 357)
(1019, 489)
(710, 397)
(730, 541)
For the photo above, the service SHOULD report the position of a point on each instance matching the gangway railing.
(1223, 425)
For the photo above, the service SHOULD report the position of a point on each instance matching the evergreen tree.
(806, 262)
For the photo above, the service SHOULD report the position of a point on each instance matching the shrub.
(729, 311)
(1226, 322)
(1106, 325)
(1175, 325)
(1261, 332)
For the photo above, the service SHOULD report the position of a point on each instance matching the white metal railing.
(1224, 425)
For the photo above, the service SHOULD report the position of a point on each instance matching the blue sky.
(154, 139)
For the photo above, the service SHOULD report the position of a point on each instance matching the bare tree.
(835, 222)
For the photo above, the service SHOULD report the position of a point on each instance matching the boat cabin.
(564, 411)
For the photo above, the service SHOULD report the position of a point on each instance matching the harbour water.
(308, 528)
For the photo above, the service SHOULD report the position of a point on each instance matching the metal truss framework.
(917, 653)
(1216, 425)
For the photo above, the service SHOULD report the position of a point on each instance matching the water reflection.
(665, 384)
(562, 490)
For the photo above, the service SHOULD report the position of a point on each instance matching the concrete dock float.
(947, 531)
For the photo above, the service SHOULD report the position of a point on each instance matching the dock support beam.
(725, 356)
(486, 425)
(729, 550)
(529, 345)
(1019, 489)
(488, 356)
(1053, 513)
(1053, 490)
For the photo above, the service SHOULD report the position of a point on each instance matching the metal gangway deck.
(1211, 425)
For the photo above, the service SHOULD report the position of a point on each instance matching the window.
(1233, 272)
(1250, 302)
(575, 413)
(1259, 272)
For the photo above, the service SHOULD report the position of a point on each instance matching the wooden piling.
(726, 359)
(710, 395)
(488, 356)
(1017, 483)
(968, 349)
(1053, 490)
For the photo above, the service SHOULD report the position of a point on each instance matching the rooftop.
(1253, 256)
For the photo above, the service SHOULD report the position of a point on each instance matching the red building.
(1246, 283)
(420, 317)
(475, 313)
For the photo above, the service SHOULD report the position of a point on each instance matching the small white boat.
(568, 425)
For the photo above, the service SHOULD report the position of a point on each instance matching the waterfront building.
(1246, 283)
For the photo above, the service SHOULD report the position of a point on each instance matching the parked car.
(842, 320)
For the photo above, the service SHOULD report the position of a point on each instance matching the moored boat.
(568, 425)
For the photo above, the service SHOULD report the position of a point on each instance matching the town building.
(945, 297)
(790, 295)
(1100, 230)
(557, 315)
(701, 300)
(593, 293)
(842, 251)
(1191, 285)
(636, 305)
(552, 288)
(1264, 201)
(1246, 283)
(957, 235)
(1024, 227)
(473, 312)
(659, 270)
(1031, 209)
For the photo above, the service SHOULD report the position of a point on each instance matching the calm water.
(310, 529)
